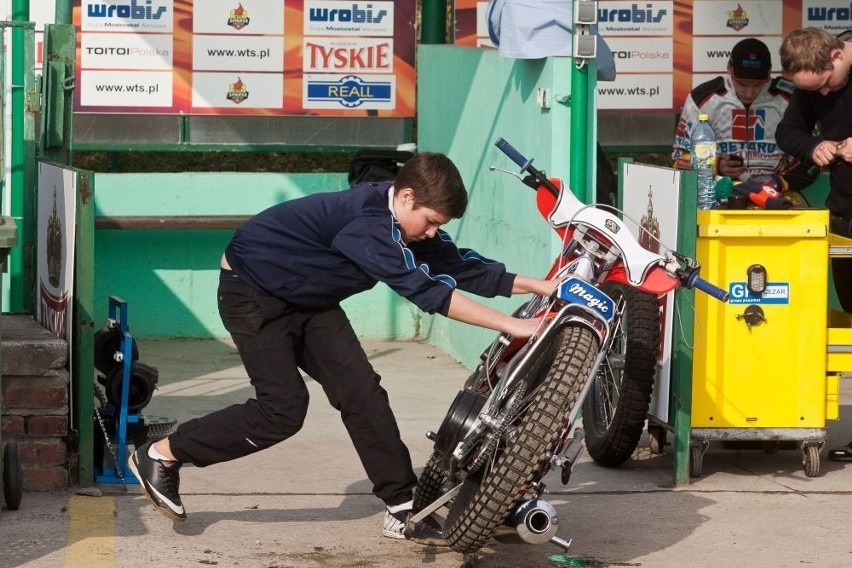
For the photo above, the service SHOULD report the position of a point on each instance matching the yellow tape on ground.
(91, 532)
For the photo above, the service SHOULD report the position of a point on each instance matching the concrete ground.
(306, 503)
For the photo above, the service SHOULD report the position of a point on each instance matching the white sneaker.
(427, 532)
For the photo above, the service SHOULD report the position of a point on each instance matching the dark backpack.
(607, 189)
(376, 165)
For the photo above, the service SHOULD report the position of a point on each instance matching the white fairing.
(637, 260)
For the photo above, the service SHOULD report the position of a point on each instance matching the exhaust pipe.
(535, 521)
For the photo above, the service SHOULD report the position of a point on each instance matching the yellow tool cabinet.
(763, 366)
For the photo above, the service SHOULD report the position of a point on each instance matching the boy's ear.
(406, 194)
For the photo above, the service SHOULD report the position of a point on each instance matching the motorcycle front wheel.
(618, 401)
(555, 380)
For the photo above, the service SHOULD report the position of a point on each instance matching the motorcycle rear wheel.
(618, 401)
(487, 497)
(430, 484)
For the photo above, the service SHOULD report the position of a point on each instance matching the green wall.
(467, 99)
(476, 97)
(169, 277)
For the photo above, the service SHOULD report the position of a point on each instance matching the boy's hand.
(526, 285)
(523, 328)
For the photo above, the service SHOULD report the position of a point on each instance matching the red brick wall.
(34, 412)
(35, 417)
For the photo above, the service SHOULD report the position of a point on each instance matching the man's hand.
(731, 165)
(827, 151)
(844, 150)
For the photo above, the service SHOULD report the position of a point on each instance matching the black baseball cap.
(750, 59)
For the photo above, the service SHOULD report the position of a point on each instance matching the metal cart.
(759, 370)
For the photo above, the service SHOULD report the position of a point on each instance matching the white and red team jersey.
(746, 131)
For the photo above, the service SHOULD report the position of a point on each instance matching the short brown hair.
(436, 183)
(808, 50)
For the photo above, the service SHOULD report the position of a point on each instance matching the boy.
(284, 274)
(744, 106)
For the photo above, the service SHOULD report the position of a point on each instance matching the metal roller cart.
(763, 372)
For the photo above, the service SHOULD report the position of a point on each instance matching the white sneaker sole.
(165, 511)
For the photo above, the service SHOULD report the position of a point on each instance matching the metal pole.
(17, 262)
(681, 374)
(64, 10)
(581, 108)
(433, 17)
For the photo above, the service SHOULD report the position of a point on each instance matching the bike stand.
(426, 511)
(121, 473)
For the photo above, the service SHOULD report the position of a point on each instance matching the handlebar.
(687, 275)
(695, 281)
(536, 177)
(687, 272)
(513, 154)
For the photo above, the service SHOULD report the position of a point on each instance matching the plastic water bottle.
(703, 143)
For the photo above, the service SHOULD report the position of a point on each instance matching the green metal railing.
(21, 186)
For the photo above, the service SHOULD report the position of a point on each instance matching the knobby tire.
(618, 401)
(488, 496)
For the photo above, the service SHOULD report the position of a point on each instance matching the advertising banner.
(664, 48)
(269, 57)
(57, 194)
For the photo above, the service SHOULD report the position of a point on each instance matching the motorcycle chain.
(496, 434)
(118, 469)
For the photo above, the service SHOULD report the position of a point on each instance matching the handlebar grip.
(513, 154)
(707, 288)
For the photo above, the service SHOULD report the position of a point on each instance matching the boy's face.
(826, 81)
(416, 223)
(747, 89)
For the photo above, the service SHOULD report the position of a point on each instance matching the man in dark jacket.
(745, 106)
(817, 127)
(284, 274)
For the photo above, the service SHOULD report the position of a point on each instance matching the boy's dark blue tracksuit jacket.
(315, 251)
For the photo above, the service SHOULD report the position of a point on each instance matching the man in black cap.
(744, 107)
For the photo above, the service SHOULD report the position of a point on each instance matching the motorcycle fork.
(570, 448)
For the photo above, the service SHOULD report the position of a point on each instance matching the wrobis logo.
(139, 15)
(630, 17)
(348, 18)
(831, 15)
(635, 14)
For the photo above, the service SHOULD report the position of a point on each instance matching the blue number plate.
(578, 291)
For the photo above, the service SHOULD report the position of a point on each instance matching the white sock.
(396, 508)
(153, 453)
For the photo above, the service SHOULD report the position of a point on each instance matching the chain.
(118, 468)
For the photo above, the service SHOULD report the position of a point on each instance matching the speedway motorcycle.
(514, 419)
